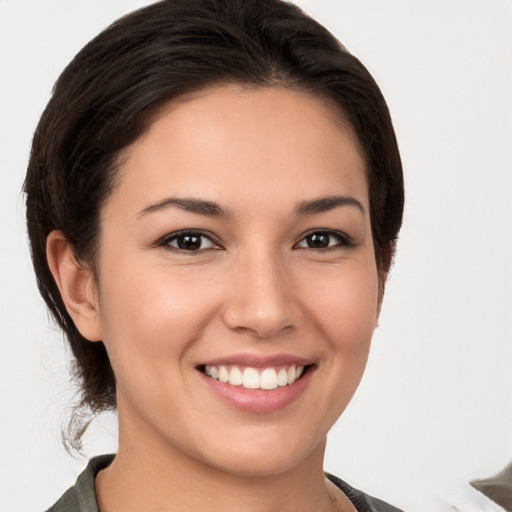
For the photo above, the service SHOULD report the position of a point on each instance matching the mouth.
(263, 378)
(258, 384)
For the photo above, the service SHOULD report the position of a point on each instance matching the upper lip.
(258, 361)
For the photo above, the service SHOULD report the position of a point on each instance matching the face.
(238, 289)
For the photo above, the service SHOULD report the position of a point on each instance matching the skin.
(256, 287)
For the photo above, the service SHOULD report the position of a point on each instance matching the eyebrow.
(211, 209)
(200, 206)
(325, 204)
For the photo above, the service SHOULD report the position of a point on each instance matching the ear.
(76, 286)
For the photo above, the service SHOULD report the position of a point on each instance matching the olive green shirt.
(82, 497)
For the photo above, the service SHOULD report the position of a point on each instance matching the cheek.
(150, 319)
(345, 304)
(151, 314)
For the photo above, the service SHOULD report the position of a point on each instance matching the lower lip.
(259, 400)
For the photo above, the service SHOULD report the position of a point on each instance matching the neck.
(155, 475)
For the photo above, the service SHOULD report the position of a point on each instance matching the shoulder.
(81, 497)
(363, 502)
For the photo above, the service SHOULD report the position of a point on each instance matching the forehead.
(234, 142)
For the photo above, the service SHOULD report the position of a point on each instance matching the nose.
(261, 301)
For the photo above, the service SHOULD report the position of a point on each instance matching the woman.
(213, 199)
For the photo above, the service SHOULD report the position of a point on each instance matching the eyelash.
(342, 239)
(166, 241)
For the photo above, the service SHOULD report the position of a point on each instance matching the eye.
(325, 240)
(188, 241)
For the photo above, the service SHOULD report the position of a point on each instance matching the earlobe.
(76, 286)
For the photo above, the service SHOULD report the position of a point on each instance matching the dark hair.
(109, 94)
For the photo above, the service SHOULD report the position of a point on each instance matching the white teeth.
(268, 379)
(250, 378)
(282, 377)
(223, 374)
(235, 377)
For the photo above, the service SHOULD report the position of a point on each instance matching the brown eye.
(318, 240)
(324, 240)
(189, 241)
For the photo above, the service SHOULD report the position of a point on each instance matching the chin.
(262, 459)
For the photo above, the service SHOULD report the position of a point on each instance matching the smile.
(252, 378)
(258, 384)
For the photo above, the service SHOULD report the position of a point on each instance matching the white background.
(435, 407)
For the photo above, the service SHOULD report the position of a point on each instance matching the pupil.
(318, 240)
(189, 242)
